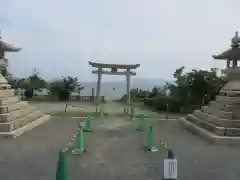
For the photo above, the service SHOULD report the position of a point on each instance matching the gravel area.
(33, 155)
(197, 158)
(113, 152)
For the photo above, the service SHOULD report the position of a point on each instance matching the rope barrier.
(70, 142)
(164, 145)
(82, 107)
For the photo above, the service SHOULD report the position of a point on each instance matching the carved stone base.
(16, 116)
(219, 122)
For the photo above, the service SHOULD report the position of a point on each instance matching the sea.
(115, 90)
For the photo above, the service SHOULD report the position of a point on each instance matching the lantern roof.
(8, 47)
(233, 53)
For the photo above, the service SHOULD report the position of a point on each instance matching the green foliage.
(29, 84)
(141, 94)
(62, 88)
(138, 93)
(33, 82)
(194, 88)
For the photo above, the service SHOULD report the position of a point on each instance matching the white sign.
(170, 169)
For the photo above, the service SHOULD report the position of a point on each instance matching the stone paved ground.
(114, 153)
(33, 155)
(198, 159)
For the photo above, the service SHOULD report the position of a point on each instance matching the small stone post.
(101, 110)
(170, 167)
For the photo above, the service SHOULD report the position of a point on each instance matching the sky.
(59, 37)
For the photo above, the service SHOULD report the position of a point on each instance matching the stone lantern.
(219, 122)
(16, 116)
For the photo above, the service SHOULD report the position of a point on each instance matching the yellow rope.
(70, 142)
(164, 144)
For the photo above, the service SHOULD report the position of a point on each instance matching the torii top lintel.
(118, 66)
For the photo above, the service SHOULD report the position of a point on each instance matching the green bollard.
(79, 143)
(62, 170)
(88, 125)
(150, 139)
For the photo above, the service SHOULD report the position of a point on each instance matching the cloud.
(59, 37)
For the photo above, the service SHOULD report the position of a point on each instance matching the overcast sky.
(59, 37)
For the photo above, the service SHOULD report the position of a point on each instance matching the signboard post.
(170, 167)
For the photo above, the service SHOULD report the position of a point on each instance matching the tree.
(32, 83)
(193, 88)
(62, 88)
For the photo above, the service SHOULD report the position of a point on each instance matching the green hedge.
(160, 103)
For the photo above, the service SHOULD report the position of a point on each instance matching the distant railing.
(72, 98)
(48, 97)
(85, 98)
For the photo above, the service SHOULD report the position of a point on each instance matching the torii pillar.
(113, 69)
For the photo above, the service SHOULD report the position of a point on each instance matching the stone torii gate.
(113, 69)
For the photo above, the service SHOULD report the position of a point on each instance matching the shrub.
(160, 103)
(173, 104)
(149, 101)
(62, 88)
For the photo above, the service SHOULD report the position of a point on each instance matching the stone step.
(6, 93)
(226, 108)
(16, 114)
(12, 107)
(220, 140)
(17, 123)
(223, 127)
(211, 118)
(232, 132)
(226, 99)
(229, 93)
(218, 112)
(206, 125)
(9, 100)
(217, 105)
(27, 127)
(205, 116)
(218, 121)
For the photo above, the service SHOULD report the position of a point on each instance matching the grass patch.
(76, 114)
(143, 115)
